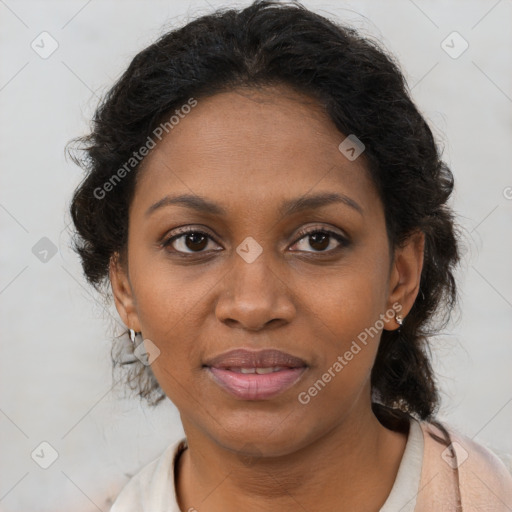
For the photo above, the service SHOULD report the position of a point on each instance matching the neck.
(353, 464)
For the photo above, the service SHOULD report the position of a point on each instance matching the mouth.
(250, 375)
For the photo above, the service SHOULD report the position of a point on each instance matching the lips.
(247, 359)
(250, 375)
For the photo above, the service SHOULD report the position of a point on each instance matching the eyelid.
(314, 229)
(168, 238)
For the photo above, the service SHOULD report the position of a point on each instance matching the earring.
(399, 319)
(133, 335)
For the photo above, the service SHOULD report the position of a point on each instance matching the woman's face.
(294, 256)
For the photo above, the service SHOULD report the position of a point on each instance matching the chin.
(260, 437)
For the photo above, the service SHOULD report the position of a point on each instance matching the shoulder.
(463, 472)
(149, 488)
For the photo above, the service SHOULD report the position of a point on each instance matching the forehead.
(252, 146)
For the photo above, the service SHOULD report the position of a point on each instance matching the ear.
(405, 276)
(123, 293)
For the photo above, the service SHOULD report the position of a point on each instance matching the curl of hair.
(362, 90)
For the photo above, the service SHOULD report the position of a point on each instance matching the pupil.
(196, 241)
(323, 238)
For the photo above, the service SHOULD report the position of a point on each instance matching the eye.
(188, 241)
(191, 240)
(321, 239)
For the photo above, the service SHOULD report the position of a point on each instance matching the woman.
(270, 210)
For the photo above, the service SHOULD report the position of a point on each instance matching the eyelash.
(302, 234)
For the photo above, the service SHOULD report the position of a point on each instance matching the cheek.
(343, 371)
(168, 295)
(171, 306)
(347, 301)
(346, 315)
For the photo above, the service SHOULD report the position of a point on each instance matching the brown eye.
(188, 241)
(321, 239)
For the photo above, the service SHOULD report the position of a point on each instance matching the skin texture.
(248, 151)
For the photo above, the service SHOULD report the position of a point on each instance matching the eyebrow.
(202, 205)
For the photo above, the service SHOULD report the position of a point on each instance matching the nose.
(255, 296)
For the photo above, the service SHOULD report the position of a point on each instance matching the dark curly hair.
(362, 90)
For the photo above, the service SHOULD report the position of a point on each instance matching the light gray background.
(55, 366)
